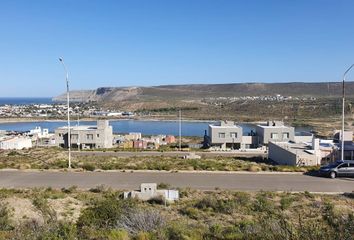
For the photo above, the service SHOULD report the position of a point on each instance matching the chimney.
(315, 144)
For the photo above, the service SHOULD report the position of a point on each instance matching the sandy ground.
(22, 209)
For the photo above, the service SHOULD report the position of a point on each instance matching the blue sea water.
(24, 101)
(126, 126)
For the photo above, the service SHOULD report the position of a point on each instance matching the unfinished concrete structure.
(149, 191)
(86, 137)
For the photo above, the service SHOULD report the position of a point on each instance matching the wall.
(302, 139)
(281, 155)
(264, 133)
(214, 134)
(16, 143)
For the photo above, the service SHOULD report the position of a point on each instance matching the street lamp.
(180, 129)
(68, 106)
(343, 108)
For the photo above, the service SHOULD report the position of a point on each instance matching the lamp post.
(68, 106)
(343, 108)
(180, 129)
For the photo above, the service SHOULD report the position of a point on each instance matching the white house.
(15, 143)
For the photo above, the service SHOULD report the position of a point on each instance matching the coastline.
(29, 120)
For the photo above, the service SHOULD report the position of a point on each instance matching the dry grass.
(55, 158)
(196, 206)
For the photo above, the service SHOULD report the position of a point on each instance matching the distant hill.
(199, 91)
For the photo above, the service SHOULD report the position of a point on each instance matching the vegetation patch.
(197, 215)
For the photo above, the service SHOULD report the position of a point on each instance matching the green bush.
(13, 153)
(219, 231)
(41, 203)
(60, 164)
(159, 200)
(263, 204)
(104, 213)
(88, 167)
(98, 189)
(163, 186)
(225, 206)
(5, 222)
(191, 212)
(118, 235)
(61, 231)
(242, 198)
(69, 190)
(286, 201)
(182, 231)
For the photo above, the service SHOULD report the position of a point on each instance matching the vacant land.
(101, 214)
(55, 158)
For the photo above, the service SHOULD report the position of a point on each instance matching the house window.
(221, 135)
(274, 135)
(98, 135)
(233, 134)
(285, 135)
(89, 136)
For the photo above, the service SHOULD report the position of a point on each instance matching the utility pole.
(180, 130)
(68, 106)
(343, 109)
(78, 134)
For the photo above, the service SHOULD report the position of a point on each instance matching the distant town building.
(127, 145)
(133, 136)
(169, 139)
(2, 133)
(12, 143)
(86, 137)
(139, 144)
(41, 137)
(149, 191)
(114, 114)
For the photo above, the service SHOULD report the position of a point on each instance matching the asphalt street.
(203, 181)
(169, 154)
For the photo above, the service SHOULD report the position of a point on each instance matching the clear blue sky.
(148, 42)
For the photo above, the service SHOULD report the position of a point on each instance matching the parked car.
(338, 169)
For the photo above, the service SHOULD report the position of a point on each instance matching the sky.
(149, 42)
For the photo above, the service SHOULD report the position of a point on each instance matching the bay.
(24, 101)
(126, 126)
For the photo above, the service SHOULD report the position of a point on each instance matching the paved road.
(202, 181)
(170, 154)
